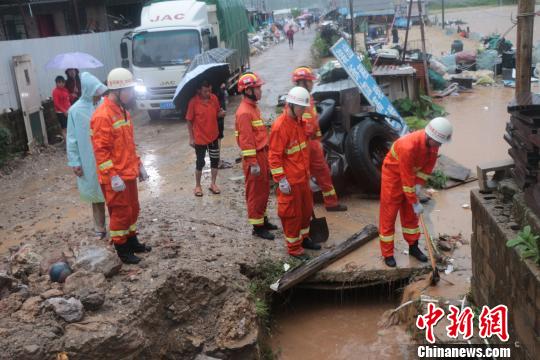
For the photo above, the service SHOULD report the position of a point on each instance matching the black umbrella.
(213, 56)
(215, 73)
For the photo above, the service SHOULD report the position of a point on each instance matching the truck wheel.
(154, 114)
(366, 146)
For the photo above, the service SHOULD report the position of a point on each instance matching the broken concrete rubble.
(71, 310)
(97, 259)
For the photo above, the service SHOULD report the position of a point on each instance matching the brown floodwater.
(338, 326)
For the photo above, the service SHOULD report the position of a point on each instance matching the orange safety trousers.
(393, 200)
(318, 168)
(295, 211)
(257, 189)
(123, 207)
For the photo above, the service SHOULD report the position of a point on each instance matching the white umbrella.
(73, 60)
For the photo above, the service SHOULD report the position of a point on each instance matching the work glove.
(117, 184)
(313, 185)
(255, 170)
(284, 186)
(143, 175)
(418, 189)
(418, 208)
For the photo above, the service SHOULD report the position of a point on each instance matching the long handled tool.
(435, 274)
(318, 229)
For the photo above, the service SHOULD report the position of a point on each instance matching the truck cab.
(171, 34)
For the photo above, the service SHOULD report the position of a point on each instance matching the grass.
(527, 243)
(437, 180)
(437, 5)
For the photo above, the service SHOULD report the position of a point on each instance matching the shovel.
(318, 229)
(435, 274)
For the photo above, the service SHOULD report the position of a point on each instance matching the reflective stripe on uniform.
(133, 228)
(292, 240)
(329, 193)
(296, 148)
(249, 152)
(256, 221)
(307, 116)
(256, 123)
(115, 233)
(120, 123)
(408, 189)
(277, 171)
(410, 231)
(236, 133)
(422, 175)
(386, 238)
(318, 133)
(106, 165)
(91, 132)
(394, 154)
(304, 231)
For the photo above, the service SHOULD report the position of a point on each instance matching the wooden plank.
(452, 169)
(525, 31)
(299, 274)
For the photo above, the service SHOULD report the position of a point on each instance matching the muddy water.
(338, 327)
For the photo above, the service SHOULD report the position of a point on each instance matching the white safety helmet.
(120, 78)
(440, 130)
(298, 96)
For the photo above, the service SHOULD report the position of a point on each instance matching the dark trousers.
(213, 152)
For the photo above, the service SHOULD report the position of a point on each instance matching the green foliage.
(5, 143)
(296, 12)
(527, 244)
(321, 46)
(437, 180)
(415, 123)
(422, 109)
(436, 5)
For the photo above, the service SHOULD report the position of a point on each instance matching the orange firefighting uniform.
(111, 130)
(318, 165)
(409, 162)
(252, 138)
(289, 157)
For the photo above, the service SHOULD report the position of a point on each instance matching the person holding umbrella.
(73, 84)
(80, 153)
(202, 116)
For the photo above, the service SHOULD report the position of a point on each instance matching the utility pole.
(442, 14)
(351, 11)
(407, 31)
(525, 24)
(426, 69)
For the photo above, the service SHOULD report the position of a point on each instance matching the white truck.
(171, 34)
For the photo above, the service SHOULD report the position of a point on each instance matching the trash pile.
(266, 37)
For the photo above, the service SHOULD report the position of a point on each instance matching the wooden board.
(302, 272)
(452, 169)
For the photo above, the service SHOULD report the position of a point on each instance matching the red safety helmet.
(303, 73)
(249, 80)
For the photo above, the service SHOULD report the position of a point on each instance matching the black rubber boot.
(390, 261)
(263, 233)
(415, 251)
(310, 245)
(268, 225)
(137, 247)
(126, 254)
(338, 207)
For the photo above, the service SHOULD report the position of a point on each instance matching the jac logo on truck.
(168, 17)
(168, 83)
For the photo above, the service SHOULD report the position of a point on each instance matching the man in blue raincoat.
(80, 153)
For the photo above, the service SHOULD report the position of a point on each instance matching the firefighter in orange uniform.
(118, 164)
(303, 76)
(252, 138)
(289, 165)
(405, 170)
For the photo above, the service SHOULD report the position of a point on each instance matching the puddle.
(339, 325)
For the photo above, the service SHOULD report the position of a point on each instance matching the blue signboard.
(352, 64)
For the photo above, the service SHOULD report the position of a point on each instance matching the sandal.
(198, 192)
(214, 190)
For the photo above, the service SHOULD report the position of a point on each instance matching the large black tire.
(326, 114)
(154, 114)
(367, 144)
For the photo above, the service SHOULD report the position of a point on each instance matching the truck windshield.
(161, 48)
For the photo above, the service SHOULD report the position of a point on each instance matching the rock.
(25, 262)
(97, 259)
(31, 349)
(6, 281)
(84, 280)
(11, 304)
(444, 245)
(29, 309)
(52, 293)
(70, 310)
(205, 357)
(92, 300)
